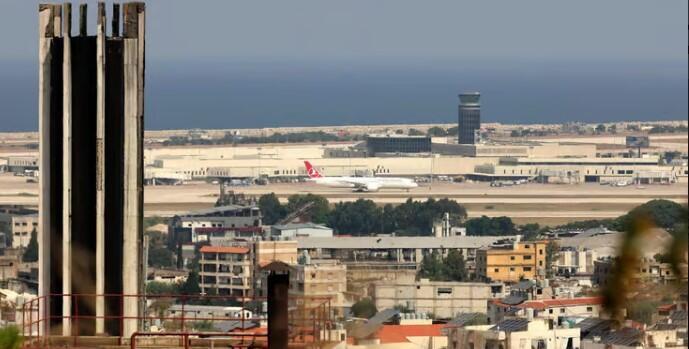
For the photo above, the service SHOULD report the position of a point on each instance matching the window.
(496, 270)
(511, 269)
(527, 257)
(527, 268)
(562, 310)
(540, 263)
(540, 251)
(527, 246)
(550, 311)
(444, 290)
(512, 258)
(589, 309)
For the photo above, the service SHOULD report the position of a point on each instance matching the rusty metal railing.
(309, 319)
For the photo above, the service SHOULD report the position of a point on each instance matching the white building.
(515, 334)
(302, 229)
(573, 261)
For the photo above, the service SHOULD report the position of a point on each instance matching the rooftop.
(389, 242)
(559, 303)
(300, 226)
(224, 249)
(400, 333)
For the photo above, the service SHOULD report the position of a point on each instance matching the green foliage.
(530, 231)
(452, 131)
(361, 217)
(490, 226)
(271, 209)
(436, 131)
(436, 268)
(160, 257)
(191, 285)
(31, 252)
(154, 220)
(317, 214)
(415, 132)
(162, 288)
(417, 218)
(642, 311)
(364, 308)
(663, 213)
(588, 224)
(10, 338)
(551, 251)
(668, 129)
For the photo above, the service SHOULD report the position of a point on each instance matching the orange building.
(510, 263)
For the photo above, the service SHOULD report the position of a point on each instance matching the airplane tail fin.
(312, 171)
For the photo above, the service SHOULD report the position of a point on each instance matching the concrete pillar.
(67, 167)
(49, 28)
(100, 168)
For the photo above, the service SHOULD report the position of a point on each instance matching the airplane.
(359, 184)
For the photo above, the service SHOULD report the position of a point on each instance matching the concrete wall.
(443, 299)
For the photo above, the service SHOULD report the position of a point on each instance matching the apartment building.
(444, 299)
(648, 270)
(226, 270)
(572, 261)
(513, 262)
(22, 226)
(318, 281)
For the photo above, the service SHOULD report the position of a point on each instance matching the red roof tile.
(224, 249)
(559, 303)
(399, 333)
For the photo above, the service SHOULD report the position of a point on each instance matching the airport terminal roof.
(387, 242)
(300, 226)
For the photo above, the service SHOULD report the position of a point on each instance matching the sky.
(233, 64)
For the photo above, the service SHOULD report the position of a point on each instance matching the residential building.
(265, 252)
(219, 219)
(387, 248)
(572, 261)
(599, 333)
(300, 229)
(168, 276)
(512, 262)
(443, 299)
(317, 281)
(22, 226)
(208, 312)
(226, 270)
(556, 309)
(648, 270)
(515, 334)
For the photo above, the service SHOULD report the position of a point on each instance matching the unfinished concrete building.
(91, 107)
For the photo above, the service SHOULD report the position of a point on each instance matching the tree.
(415, 132)
(364, 308)
(551, 251)
(31, 252)
(663, 213)
(530, 231)
(318, 212)
(455, 266)
(432, 267)
(361, 217)
(191, 285)
(161, 288)
(160, 257)
(271, 209)
(600, 128)
(490, 226)
(436, 131)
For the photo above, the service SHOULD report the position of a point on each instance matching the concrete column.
(49, 26)
(133, 60)
(100, 168)
(67, 168)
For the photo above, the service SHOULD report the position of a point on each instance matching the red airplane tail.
(312, 171)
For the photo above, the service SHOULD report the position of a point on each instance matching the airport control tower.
(469, 117)
(91, 114)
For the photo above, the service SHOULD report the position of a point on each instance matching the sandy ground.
(525, 203)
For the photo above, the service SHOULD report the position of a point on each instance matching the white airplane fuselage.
(366, 183)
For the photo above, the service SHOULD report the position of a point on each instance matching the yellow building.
(521, 260)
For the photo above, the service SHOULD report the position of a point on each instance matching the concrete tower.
(469, 117)
(90, 109)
